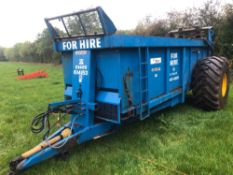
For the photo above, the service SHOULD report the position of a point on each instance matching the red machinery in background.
(36, 74)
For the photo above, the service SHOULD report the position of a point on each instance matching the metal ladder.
(143, 76)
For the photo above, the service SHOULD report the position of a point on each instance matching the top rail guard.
(204, 33)
(86, 23)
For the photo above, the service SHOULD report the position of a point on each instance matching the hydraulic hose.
(39, 122)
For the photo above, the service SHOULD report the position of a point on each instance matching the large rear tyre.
(210, 83)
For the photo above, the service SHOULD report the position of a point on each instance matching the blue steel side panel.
(117, 70)
(129, 72)
(164, 71)
(156, 72)
(184, 77)
(123, 41)
(113, 67)
(67, 63)
(174, 75)
(195, 52)
(107, 73)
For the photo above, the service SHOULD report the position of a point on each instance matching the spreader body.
(111, 79)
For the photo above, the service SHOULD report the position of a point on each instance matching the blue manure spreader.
(112, 79)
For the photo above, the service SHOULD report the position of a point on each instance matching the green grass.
(179, 140)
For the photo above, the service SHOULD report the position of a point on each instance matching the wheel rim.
(224, 85)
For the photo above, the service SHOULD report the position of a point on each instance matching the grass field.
(179, 140)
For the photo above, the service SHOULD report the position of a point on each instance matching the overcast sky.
(22, 20)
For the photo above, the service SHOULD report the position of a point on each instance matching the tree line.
(209, 14)
(40, 51)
